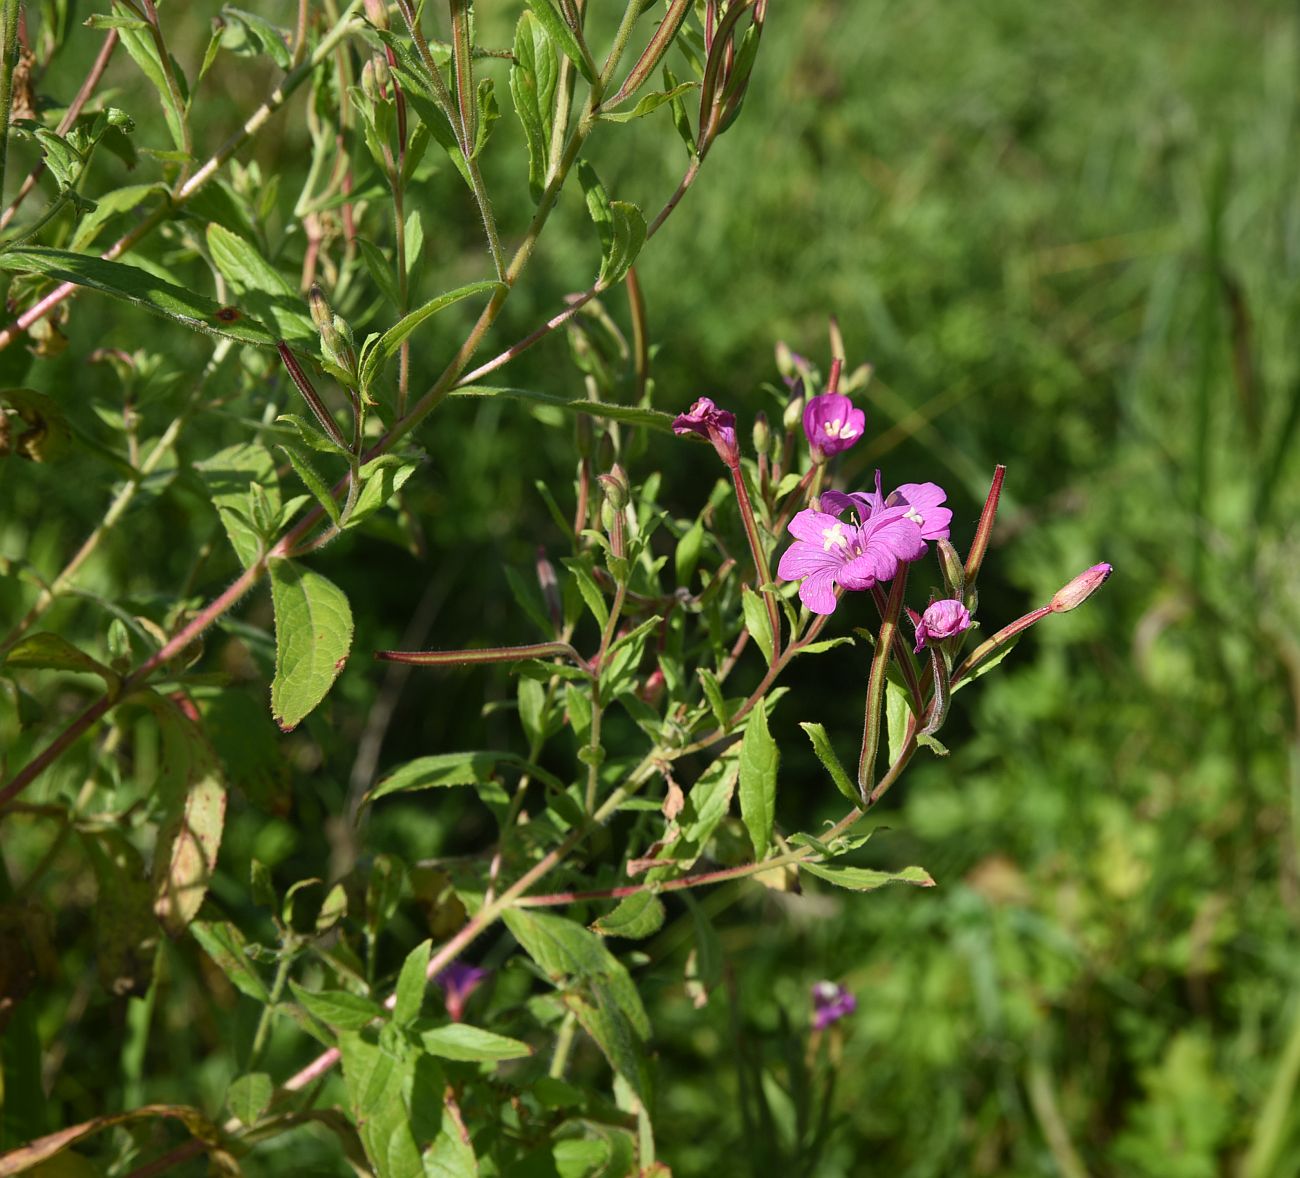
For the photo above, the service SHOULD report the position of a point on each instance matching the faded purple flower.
(832, 424)
(458, 982)
(827, 552)
(922, 501)
(831, 1002)
(942, 619)
(718, 425)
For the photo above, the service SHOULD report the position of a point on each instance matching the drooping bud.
(762, 434)
(616, 487)
(1078, 591)
(718, 425)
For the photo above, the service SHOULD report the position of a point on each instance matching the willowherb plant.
(638, 762)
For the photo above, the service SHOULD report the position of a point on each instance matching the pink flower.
(1078, 591)
(942, 619)
(831, 1002)
(458, 982)
(832, 424)
(828, 552)
(922, 501)
(718, 425)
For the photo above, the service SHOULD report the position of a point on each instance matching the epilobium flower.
(718, 425)
(832, 424)
(942, 619)
(1080, 589)
(827, 552)
(922, 501)
(458, 982)
(831, 1002)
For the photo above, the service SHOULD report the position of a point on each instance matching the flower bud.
(792, 418)
(377, 13)
(762, 435)
(954, 568)
(1080, 589)
(942, 619)
(785, 360)
(550, 586)
(616, 487)
(370, 85)
(335, 334)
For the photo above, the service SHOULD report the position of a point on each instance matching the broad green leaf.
(390, 343)
(631, 414)
(637, 916)
(627, 236)
(379, 1076)
(143, 50)
(758, 764)
(533, 76)
(229, 476)
(898, 710)
(757, 621)
(462, 1042)
(265, 33)
(863, 879)
(313, 634)
(137, 286)
(340, 1009)
(249, 1096)
(49, 652)
(263, 289)
(557, 28)
(224, 943)
(826, 755)
(411, 984)
(569, 953)
(600, 1015)
(120, 200)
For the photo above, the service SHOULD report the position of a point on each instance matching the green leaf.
(591, 594)
(451, 769)
(133, 285)
(265, 33)
(411, 984)
(302, 464)
(265, 292)
(313, 633)
(898, 710)
(120, 200)
(533, 77)
(390, 343)
(713, 693)
(628, 230)
(460, 1041)
(49, 652)
(485, 100)
(557, 28)
(229, 476)
(637, 916)
(339, 1009)
(757, 621)
(826, 755)
(143, 50)
(248, 1096)
(380, 1077)
(224, 943)
(631, 414)
(758, 764)
(651, 102)
(707, 804)
(379, 270)
(381, 479)
(988, 664)
(862, 879)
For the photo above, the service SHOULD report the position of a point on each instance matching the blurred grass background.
(1068, 238)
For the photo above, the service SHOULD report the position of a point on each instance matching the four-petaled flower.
(921, 500)
(942, 619)
(827, 552)
(832, 424)
(458, 982)
(831, 1002)
(718, 425)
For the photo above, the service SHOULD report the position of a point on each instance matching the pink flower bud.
(1080, 589)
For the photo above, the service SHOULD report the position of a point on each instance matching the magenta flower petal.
(832, 424)
(923, 503)
(718, 425)
(942, 619)
(831, 1002)
(817, 591)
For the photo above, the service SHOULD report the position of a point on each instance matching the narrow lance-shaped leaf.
(313, 634)
(826, 755)
(558, 30)
(758, 764)
(137, 286)
(757, 621)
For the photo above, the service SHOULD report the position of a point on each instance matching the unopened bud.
(550, 587)
(785, 360)
(370, 86)
(792, 418)
(335, 334)
(616, 487)
(377, 13)
(954, 569)
(1078, 591)
(762, 435)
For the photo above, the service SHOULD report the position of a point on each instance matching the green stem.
(9, 47)
(762, 570)
(876, 683)
(268, 1011)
